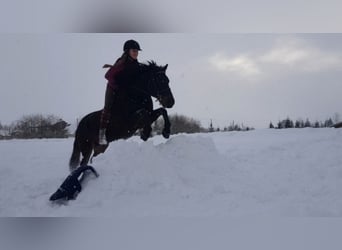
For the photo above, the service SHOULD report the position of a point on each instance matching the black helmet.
(131, 44)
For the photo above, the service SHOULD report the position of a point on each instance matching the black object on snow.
(71, 186)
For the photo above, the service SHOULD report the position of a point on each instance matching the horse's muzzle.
(167, 101)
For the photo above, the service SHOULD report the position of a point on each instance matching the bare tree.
(336, 118)
(179, 124)
(39, 126)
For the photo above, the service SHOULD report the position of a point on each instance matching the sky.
(134, 16)
(246, 78)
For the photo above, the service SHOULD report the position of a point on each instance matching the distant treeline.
(51, 126)
(35, 126)
(232, 127)
(299, 123)
(179, 124)
(185, 124)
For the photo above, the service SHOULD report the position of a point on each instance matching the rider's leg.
(106, 114)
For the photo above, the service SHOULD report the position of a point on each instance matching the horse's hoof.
(144, 138)
(99, 149)
(166, 134)
(145, 134)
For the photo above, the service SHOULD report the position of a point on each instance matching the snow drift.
(293, 172)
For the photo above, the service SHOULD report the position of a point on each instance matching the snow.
(287, 173)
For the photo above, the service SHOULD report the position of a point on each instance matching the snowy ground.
(293, 172)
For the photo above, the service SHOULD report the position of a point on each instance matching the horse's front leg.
(167, 125)
(146, 132)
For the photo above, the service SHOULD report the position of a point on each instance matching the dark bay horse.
(133, 110)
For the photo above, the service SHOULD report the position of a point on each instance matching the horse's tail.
(76, 154)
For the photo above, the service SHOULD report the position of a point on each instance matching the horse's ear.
(165, 67)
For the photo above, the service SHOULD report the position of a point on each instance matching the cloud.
(302, 56)
(285, 55)
(242, 64)
(288, 55)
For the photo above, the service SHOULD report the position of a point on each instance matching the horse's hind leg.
(87, 150)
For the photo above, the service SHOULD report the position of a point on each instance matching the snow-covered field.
(293, 172)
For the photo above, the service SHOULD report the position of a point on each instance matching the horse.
(132, 110)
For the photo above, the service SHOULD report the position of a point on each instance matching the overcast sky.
(171, 16)
(249, 78)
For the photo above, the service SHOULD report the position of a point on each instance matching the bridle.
(152, 85)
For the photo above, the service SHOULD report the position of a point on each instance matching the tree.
(280, 125)
(336, 118)
(297, 124)
(288, 123)
(40, 126)
(328, 123)
(271, 125)
(179, 124)
(307, 123)
(211, 128)
(236, 127)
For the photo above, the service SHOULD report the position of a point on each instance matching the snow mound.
(295, 172)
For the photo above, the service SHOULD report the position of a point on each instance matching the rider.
(124, 70)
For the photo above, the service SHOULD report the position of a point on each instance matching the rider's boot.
(110, 97)
(104, 120)
(102, 136)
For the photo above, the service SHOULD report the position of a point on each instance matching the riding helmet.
(131, 44)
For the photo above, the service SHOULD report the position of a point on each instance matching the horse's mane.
(150, 65)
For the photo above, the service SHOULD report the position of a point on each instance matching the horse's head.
(158, 84)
